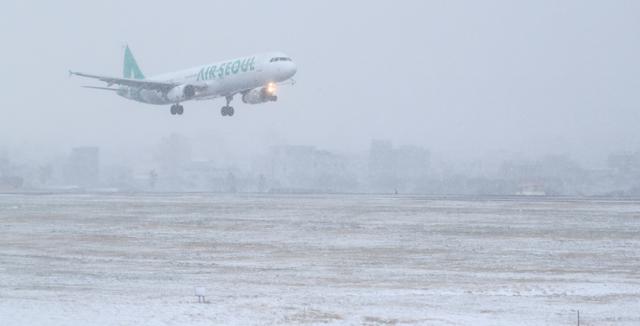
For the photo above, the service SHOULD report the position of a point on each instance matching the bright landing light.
(271, 88)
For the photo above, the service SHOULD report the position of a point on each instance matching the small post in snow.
(200, 293)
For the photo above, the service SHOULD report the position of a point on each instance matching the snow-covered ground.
(268, 259)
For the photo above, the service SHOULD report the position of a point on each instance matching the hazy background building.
(83, 167)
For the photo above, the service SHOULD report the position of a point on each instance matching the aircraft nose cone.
(292, 69)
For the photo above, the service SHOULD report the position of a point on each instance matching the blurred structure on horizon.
(170, 166)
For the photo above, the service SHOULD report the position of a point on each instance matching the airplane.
(254, 77)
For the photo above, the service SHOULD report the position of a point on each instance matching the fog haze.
(462, 78)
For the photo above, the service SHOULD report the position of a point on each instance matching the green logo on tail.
(131, 69)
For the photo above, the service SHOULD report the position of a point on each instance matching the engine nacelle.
(181, 93)
(258, 95)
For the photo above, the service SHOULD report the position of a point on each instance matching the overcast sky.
(453, 76)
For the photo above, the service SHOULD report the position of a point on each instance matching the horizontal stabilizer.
(102, 88)
(135, 83)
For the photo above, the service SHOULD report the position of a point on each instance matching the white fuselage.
(220, 79)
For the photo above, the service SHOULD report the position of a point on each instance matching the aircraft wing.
(138, 83)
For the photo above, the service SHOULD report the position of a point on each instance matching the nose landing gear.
(227, 110)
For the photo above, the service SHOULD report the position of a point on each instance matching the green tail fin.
(131, 69)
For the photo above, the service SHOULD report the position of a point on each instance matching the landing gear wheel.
(227, 111)
(177, 109)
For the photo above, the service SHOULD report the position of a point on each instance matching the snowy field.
(336, 259)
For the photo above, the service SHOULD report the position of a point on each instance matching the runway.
(316, 259)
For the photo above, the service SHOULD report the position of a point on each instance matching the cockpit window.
(279, 59)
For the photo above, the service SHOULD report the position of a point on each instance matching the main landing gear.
(177, 109)
(227, 110)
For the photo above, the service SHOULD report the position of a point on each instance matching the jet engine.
(181, 93)
(260, 95)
